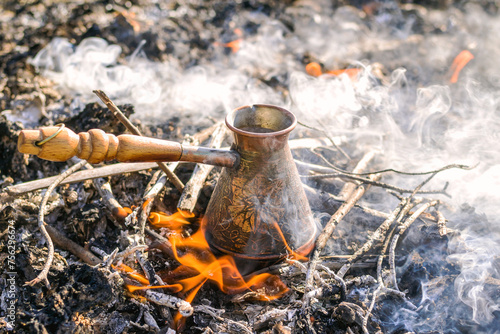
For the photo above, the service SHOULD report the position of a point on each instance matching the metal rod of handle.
(96, 146)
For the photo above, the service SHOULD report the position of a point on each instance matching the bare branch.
(42, 276)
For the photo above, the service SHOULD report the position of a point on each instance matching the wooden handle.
(95, 146)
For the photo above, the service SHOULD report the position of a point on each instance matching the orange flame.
(352, 73)
(199, 265)
(314, 69)
(459, 63)
(131, 273)
(174, 222)
(130, 17)
(235, 44)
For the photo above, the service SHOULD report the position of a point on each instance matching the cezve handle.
(97, 146)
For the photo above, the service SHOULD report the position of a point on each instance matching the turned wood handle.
(97, 146)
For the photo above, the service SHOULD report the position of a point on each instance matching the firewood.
(185, 308)
(192, 190)
(110, 170)
(330, 226)
(441, 223)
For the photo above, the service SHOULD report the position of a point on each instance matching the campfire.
(249, 167)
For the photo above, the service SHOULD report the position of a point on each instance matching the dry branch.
(375, 183)
(125, 121)
(115, 169)
(42, 276)
(185, 308)
(63, 242)
(328, 230)
(147, 268)
(376, 236)
(322, 201)
(349, 187)
(441, 223)
(192, 190)
(402, 228)
(104, 189)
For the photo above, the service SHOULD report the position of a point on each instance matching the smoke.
(157, 90)
(401, 104)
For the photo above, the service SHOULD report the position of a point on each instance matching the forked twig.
(328, 230)
(375, 183)
(402, 229)
(42, 276)
(376, 236)
(392, 170)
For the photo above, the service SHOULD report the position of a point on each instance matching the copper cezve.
(258, 210)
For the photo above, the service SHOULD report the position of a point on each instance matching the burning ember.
(314, 69)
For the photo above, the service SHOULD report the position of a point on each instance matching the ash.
(393, 86)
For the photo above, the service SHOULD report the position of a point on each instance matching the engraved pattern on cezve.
(253, 203)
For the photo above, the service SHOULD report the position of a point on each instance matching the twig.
(143, 216)
(313, 142)
(118, 168)
(129, 251)
(185, 308)
(150, 320)
(441, 223)
(213, 312)
(42, 276)
(322, 201)
(330, 227)
(376, 236)
(407, 205)
(348, 187)
(99, 251)
(339, 279)
(307, 167)
(370, 309)
(63, 242)
(192, 190)
(388, 170)
(104, 189)
(333, 262)
(125, 121)
(161, 243)
(375, 183)
(147, 268)
(274, 315)
(328, 230)
(402, 229)
(331, 139)
(380, 258)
